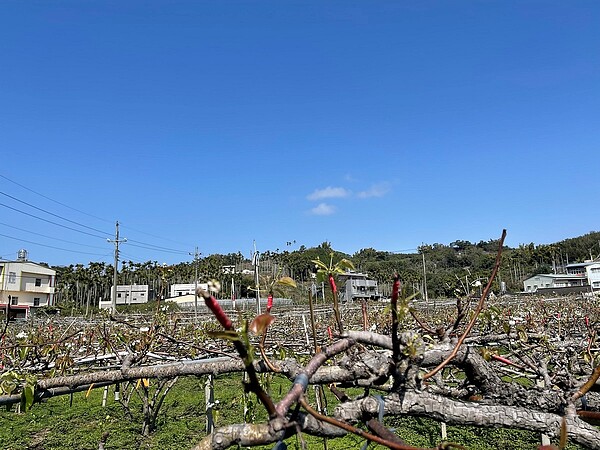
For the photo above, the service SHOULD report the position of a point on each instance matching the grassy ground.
(79, 424)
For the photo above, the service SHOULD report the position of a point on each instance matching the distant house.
(579, 275)
(589, 270)
(129, 294)
(179, 290)
(358, 286)
(25, 285)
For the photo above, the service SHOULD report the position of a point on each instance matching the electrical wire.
(50, 237)
(55, 201)
(53, 223)
(52, 214)
(154, 235)
(155, 247)
(49, 246)
(131, 258)
(141, 244)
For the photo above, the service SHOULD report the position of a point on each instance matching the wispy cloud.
(329, 192)
(323, 209)
(377, 190)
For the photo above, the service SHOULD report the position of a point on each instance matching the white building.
(578, 275)
(25, 285)
(129, 294)
(179, 290)
(589, 270)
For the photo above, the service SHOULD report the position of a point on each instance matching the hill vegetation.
(449, 268)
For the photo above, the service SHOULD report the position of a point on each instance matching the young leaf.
(28, 394)
(345, 264)
(320, 264)
(227, 335)
(260, 323)
(286, 281)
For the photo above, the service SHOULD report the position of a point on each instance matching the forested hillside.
(449, 269)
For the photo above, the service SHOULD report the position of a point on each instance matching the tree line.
(446, 270)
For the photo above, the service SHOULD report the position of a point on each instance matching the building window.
(141, 294)
(38, 282)
(12, 277)
(14, 300)
(119, 295)
(36, 301)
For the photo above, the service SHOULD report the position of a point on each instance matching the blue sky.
(381, 124)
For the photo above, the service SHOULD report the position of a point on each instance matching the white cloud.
(328, 192)
(323, 209)
(377, 190)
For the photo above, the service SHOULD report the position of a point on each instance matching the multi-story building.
(589, 271)
(579, 275)
(25, 285)
(358, 286)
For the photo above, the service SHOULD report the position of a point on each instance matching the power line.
(53, 223)
(131, 258)
(87, 214)
(155, 247)
(55, 201)
(52, 214)
(141, 244)
(154, 235)
(50, 237)
(49, 246)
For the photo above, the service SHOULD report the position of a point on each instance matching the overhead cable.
(52, 214)
(53, 223)
(156, 247)
(50, 237)
(55, 201)
(50, 246)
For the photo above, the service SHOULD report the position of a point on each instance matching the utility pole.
(196, 256)
(116, 241)
(256, 263)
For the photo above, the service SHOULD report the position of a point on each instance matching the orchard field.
(474, 372)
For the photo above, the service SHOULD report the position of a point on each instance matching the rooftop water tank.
(22, 255)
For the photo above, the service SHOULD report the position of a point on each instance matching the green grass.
(58, 425)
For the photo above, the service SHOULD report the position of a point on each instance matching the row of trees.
(448, 269)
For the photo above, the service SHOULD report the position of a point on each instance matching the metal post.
(209, 394)
(104, 396)
(305, 330)
(255, 263)
(425, 282)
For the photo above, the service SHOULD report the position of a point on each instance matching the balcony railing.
(43, 289)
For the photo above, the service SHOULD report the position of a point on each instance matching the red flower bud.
(332, 284)
(216, 309)
(395, 290)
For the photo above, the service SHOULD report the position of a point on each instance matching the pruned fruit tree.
(525, 363)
